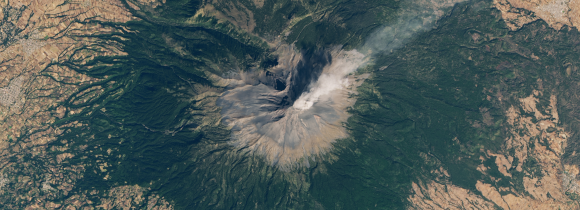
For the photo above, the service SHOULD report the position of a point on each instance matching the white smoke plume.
(419, 16)
(333, 77)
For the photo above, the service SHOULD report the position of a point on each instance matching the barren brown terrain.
(556, 13)
(37, 36)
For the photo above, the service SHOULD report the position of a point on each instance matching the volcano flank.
(261, 107)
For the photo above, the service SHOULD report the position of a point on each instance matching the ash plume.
(419, 16)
